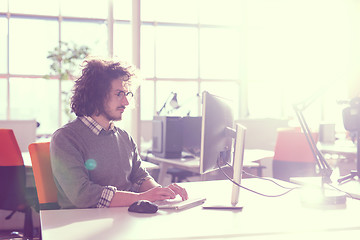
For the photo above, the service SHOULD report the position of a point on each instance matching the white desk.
(27, 159)
(251, 160)
(345, 152)
(30, 181)
(262, 218)
(342, 147)
(352, 186)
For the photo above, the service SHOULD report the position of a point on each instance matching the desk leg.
(162, 173)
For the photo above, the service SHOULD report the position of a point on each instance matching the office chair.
(292, 155)
(180, 175)
(13, 182)
(44, 180)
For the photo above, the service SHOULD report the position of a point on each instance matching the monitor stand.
(223, 207)
(238, 162)
(226, 204)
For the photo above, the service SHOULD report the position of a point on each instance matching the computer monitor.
(221, 144)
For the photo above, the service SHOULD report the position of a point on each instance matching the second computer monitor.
(221, 144)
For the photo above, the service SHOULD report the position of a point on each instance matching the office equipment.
(347, 148)
(263, 218)
(44, 180)
(13, 190)
(179, 204)
(177, 137)
(191, 135)
(324, 198)
(180, 175)
(143, 206)
(351, 188)
(173, 136)
(173, 103)
(167, 136)
(251, 159)
(217, 136)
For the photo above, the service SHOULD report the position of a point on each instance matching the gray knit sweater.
(84, 164)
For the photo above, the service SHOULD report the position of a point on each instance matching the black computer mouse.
(143, 206)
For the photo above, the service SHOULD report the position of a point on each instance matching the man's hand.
(162, 193)
(179, 190)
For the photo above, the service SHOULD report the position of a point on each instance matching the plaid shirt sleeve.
(106, 197)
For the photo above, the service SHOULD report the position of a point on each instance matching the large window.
(185, 51)
(28, 31)
(30, 40)
(263, 54)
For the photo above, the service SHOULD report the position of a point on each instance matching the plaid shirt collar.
(94, 126)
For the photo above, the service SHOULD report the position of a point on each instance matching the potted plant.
(65, 60)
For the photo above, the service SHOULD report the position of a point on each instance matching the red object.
(44, 180)
(10, 154)
(292, 146)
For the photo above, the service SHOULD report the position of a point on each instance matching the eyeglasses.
(122, 94)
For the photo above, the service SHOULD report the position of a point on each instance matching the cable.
(351, 196)
(290, 189)
(264, 195)
(252, 175)
(262, 178)
(270, 180)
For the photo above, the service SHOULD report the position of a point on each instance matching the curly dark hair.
(91, 88)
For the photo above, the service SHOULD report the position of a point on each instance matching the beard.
(112, 117)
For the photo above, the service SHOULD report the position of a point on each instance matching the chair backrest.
(13, 192)
(44, 181)
(24, 130)
(293, 156)
(12, 173)
(10, 154)
(292, 146)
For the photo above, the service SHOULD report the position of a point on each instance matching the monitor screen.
(217, 116)
(218, 139)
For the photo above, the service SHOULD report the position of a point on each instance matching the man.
(96, 164)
